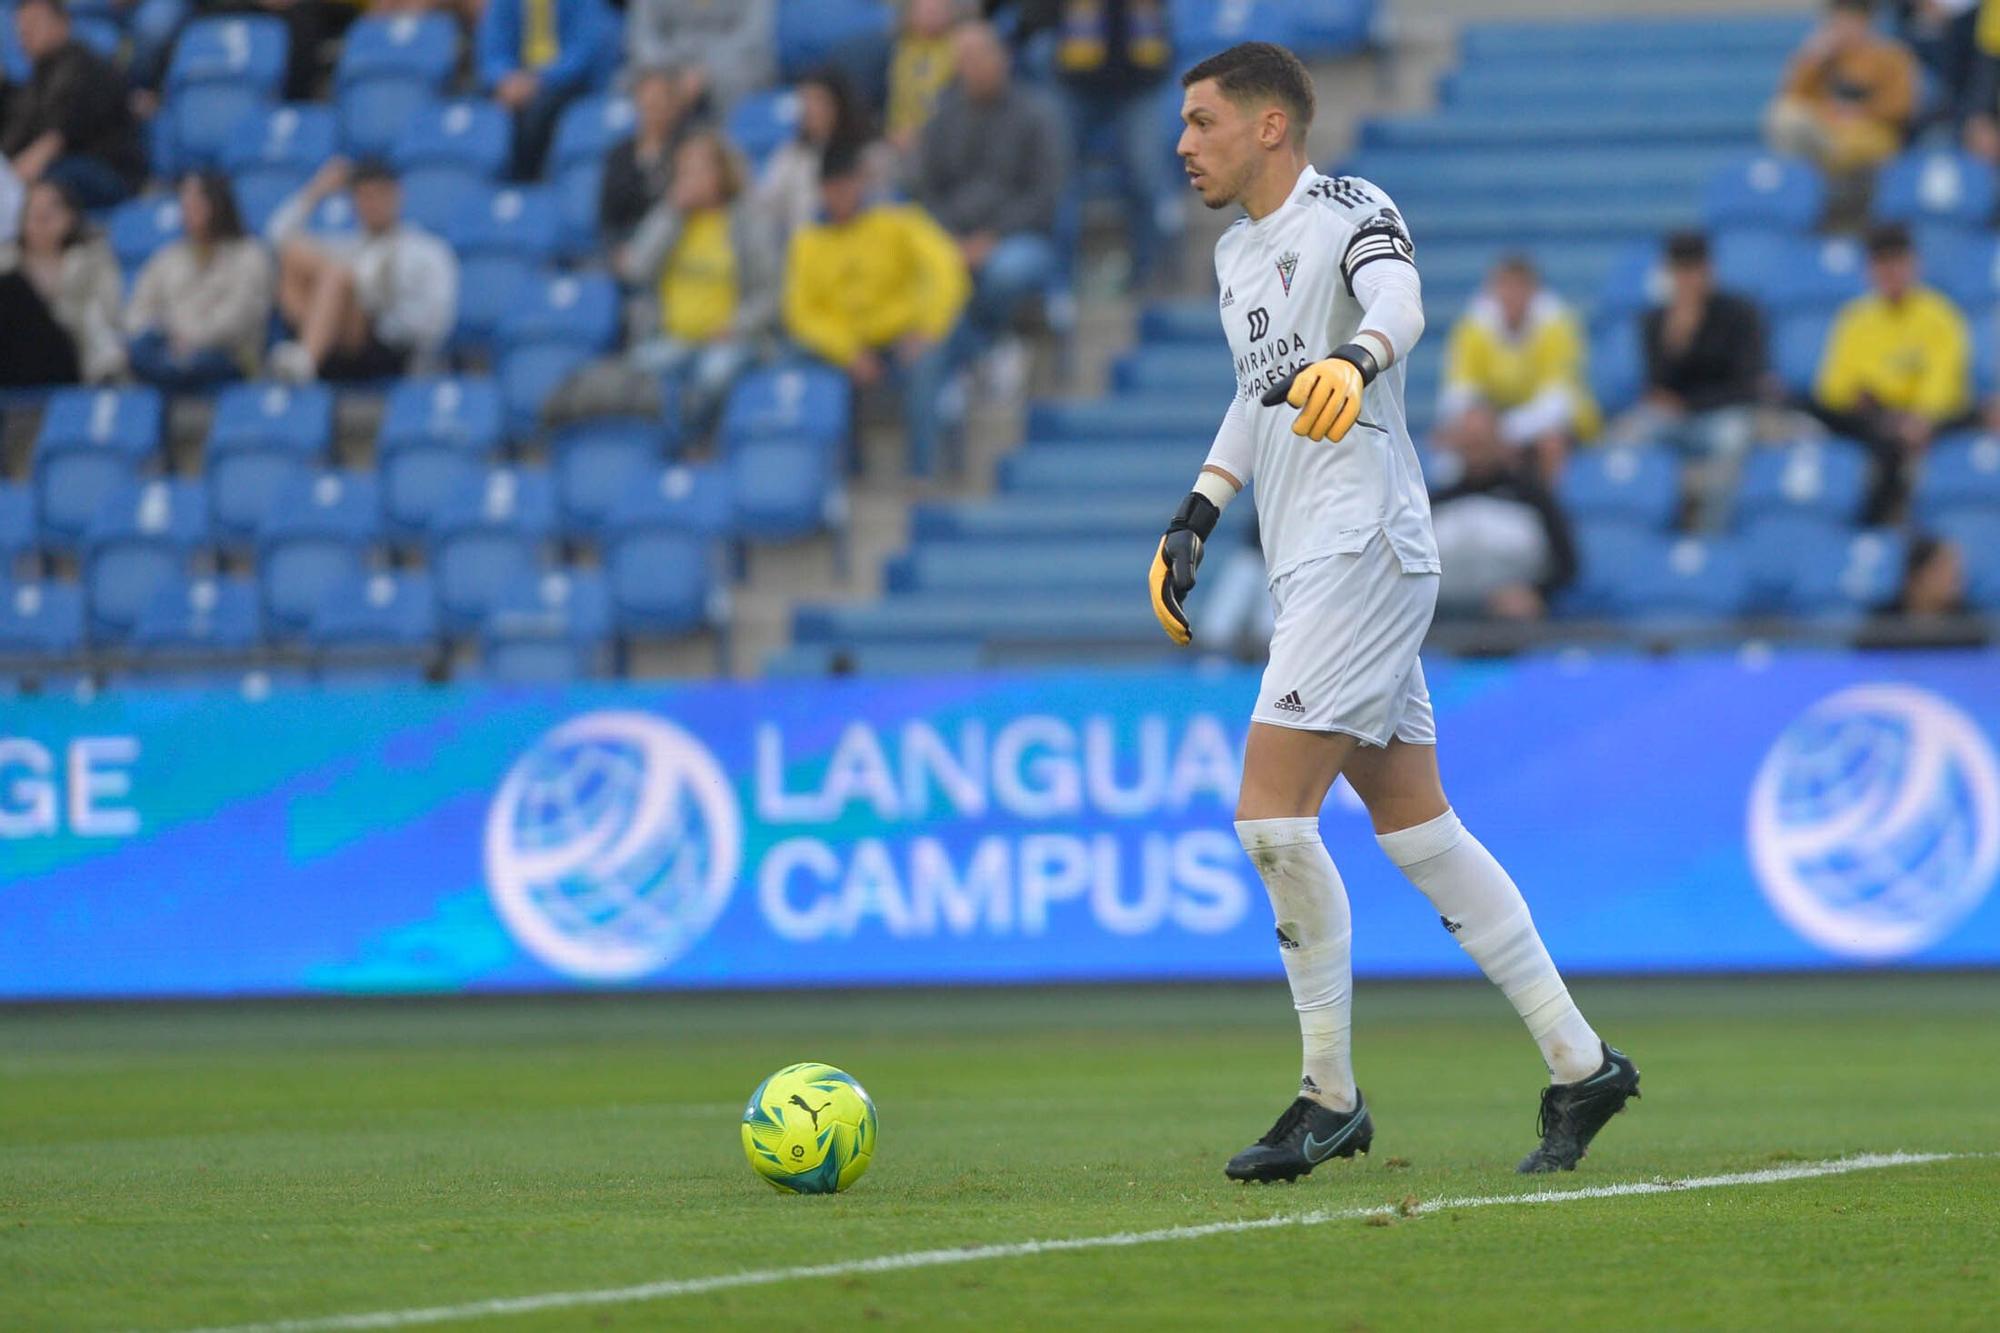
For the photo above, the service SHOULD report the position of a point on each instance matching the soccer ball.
(809, 1128)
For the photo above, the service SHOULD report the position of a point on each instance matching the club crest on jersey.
(1288, 264)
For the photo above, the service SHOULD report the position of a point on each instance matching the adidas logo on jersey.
(1228, 298)
(1291, 703)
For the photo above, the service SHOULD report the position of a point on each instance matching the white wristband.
(1215, 488)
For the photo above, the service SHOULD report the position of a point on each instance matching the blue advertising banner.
(1696, 813)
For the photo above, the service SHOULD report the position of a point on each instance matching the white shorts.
(1344, 653)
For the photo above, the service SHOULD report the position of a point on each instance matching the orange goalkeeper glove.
(1327, 393)
(1175, 561)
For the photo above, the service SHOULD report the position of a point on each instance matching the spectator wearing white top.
(372, 305)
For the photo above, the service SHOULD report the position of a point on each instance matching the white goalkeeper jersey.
(1288, 299)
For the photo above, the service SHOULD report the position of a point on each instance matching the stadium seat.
(1804, 564)
(374, 112)
(1936, 185)
(378, 615)
(403, 46)
(1978, 541)
(462, 413)
(813, 32)
(760, 122)
(296, 418)
(192, 617)
(1964, 266)
(693, 499)
(1116, 417)
(1636, 281)
(420, 480)
(317, 534)
(1152, 368)
(204, 119)
(272, 154)
(597, 463)
(1827, 478)
(1203, 27)
(1639, 485)
(1960, 473)
(1689, 577)
(140, 227)
(517, 220)
(1617, 366)
(808, 400)
(785, 489)
(89, 441)
(17, 524)
(663, 582)
(487, 285)
(40, 619)
(529, 374)
(1784, 194)
(244, 486)
(1749, 262)
(1815, 276)
(248, 51)
(579, 187)
(142, 535)
(471, 138)
(587, 129)
(1182, 321)
(488, 538)
(1796, 346)
(555, 626)
(579, 310)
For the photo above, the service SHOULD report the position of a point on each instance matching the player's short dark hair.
(372, 169)
(1888, 239)
(1517, 264)
(1687, 248)
(1255, 71)
(841, 159)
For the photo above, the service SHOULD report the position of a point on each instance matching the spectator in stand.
(829, 113)
(709, 274)
(361, 307)
(639, 168)
(1849, 95)
(877, 289)
(1502, 536)
(1897, 368)
(1930, 609)
(1982, 96)
(991, 170)
(534, 57)
(920, 68)
(71, 122)
(1514, 373)
(728, 47)
(1111, 60)
(59, 290)
(312, 28)
(202, 305)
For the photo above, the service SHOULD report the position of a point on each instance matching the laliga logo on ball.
(612, 846)
(1875, 821)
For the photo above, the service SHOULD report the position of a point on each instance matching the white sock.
(1483, 909)
(1314, 932)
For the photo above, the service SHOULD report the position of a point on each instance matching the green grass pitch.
(182, 1166)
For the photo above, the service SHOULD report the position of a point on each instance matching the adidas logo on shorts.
(1291, 703)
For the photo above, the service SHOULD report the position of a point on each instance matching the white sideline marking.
(971, 1254)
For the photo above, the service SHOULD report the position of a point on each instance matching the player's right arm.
(1231, 460)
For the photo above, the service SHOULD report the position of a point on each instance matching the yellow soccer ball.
(809, 1128)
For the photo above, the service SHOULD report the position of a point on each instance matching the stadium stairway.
(1589, 136)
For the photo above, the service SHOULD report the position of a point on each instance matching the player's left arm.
(1379, 266)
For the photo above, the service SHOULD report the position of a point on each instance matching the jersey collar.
(1307, 175)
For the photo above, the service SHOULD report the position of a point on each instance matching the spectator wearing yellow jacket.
(1514, 372)
(1897, 367)
(878, 289)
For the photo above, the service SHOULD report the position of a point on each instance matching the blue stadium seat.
(273, 153)
(1826, 478)
(17, 524)
(1182, 321)
(760, 122)
(1116, 417)
(663, 582)
(1815, 276)
(462, 413)
(579, 310)
(1617, 366)
(806, 400)
(812, 32)
(1962, 472)
(245, 51)
(316, 535)
(244, 486)
(1323, 29)
(516, 220)
(189, 617)
(1175, 368)
(692, 499)
(204, 118)
(1784, 194)
(1805, 564)
(487, 287)
(1796, 346)
(420, 480)
(1633, 484)
(529, 374)
(432, 196)
(1964, 266)
(142, 535)
(1636, 282)
(296, 418)
(405, 46)
(784, 489)
(1202, 27)
(578, 188)
(1936, 185)
(587, 129)
(375, 614)
(373, 112)
(15, 67)
(40, 619)
(90, 440)
(597, 463)
(1690, 577)
(489, 538)
(555, 626)
(140, 227)
(1978, 541)
(471, 137)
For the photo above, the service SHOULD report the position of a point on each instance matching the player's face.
(1218, 144)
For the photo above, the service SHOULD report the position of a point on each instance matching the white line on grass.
(972, 1254)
